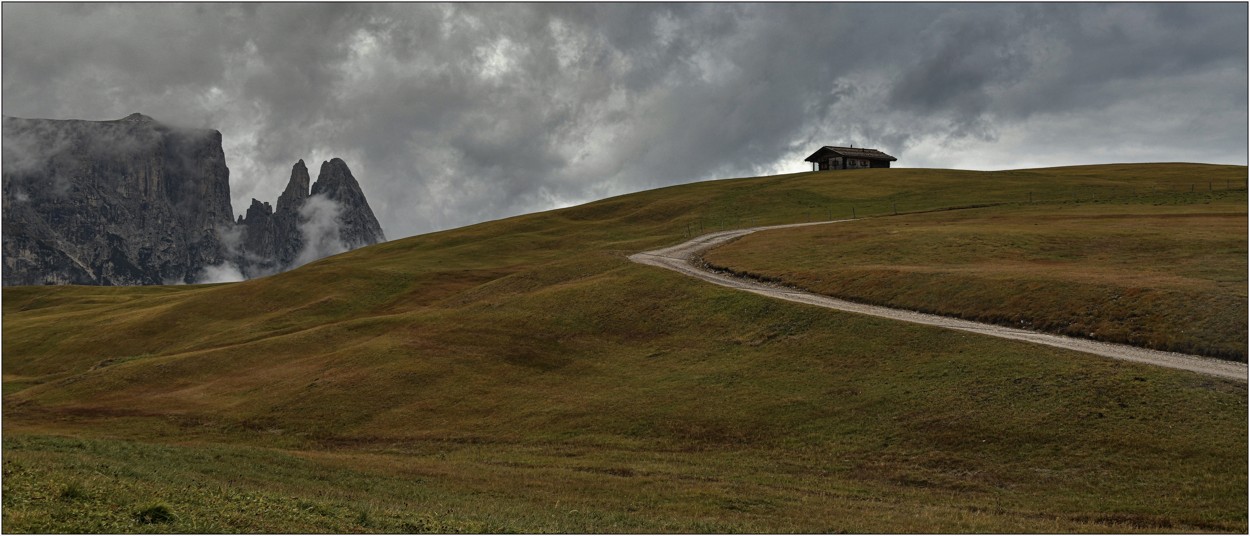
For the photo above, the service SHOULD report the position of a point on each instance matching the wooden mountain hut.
(831, 157)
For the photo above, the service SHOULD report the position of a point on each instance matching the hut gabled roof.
(849, 152)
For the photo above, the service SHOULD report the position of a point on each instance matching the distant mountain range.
(138, 202)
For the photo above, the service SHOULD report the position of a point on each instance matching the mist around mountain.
(138, 202)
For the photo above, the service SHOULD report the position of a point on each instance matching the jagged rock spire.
(296, 232)
(359, 227)
(296, 189)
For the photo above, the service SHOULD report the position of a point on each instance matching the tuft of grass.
(155, 513)
(73, 492)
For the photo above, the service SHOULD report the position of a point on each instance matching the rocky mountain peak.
(133, 201)
(331, 216)
(335, 180)
(123, 202)
(296, 189)
(259, 209)
(358, 226)
(138, 118)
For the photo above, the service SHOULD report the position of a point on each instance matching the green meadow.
(522, 375)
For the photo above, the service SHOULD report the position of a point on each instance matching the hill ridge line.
(681, 258)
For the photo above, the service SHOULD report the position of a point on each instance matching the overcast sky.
(458, 113)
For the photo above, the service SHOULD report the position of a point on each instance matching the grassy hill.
(1168, 276)
(523, 375)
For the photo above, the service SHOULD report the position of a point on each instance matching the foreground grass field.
(522, 375)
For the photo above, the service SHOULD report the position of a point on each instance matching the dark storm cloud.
(454, 113)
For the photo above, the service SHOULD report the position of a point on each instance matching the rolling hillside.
(523, 375)
(1163, 276)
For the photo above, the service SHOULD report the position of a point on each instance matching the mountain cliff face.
(136, 202)
(126, 202)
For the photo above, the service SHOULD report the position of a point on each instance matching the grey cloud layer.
(455, 113)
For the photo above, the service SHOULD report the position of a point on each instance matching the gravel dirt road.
(681, 258)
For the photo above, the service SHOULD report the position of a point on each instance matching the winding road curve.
(680, 258)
